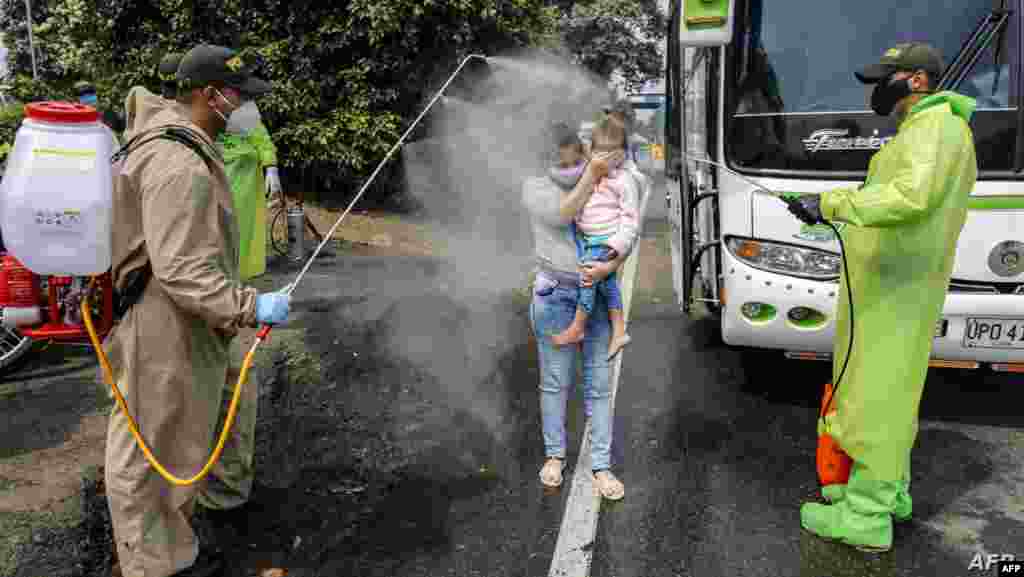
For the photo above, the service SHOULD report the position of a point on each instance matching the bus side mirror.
(706, 22)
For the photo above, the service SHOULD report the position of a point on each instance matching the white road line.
(574, 549)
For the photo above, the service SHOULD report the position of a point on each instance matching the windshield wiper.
(973, 49)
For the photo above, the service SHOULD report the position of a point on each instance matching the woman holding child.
(599, 195)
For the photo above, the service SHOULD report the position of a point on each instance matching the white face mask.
(244, 119)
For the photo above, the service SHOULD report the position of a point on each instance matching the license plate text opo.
(994, 333)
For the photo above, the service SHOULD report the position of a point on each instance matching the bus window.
(797, 107)
(990, 82)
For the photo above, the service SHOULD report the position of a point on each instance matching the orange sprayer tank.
(833, 464)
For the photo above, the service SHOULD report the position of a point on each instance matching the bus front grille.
(989, 288)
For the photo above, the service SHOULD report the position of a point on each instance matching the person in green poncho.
(903, 226)
(87, 95)
(250, 160)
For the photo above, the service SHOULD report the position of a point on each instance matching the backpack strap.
(176, 132)
(138, 278)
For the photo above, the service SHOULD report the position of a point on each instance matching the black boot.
(238, 520)
(210, 563)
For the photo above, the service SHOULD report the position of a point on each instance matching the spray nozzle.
(787, 200)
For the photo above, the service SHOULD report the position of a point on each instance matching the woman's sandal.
(551, 474)
(617, 345)
(608, 486)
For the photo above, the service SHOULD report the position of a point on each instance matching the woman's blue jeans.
(552, 310)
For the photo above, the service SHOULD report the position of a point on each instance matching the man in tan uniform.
(173, 218)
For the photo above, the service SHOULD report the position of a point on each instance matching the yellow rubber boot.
(901, 513)
(903, 509)
(862, 519)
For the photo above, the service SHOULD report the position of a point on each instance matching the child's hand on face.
(617, 159)
(605, 162)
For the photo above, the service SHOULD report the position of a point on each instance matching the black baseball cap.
(84, 87)
(207, 64)
(168, 69)
(909, 56)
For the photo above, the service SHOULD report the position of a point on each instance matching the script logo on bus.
(839, 139)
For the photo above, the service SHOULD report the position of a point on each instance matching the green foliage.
(616, 36)
(348, 76)
(10, 117)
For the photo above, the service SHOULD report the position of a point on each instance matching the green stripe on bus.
(996, 203)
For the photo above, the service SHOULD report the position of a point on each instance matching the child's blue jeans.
(590, 249)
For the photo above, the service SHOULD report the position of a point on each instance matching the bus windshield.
(791, 69)
(814, 47)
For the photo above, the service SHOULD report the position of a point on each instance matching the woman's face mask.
(88, 99)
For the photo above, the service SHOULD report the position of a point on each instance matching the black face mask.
(888, 92)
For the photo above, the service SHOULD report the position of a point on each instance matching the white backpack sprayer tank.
(55, 211)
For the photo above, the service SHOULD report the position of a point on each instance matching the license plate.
(994, 333)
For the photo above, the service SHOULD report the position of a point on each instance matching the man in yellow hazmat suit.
(904, 223)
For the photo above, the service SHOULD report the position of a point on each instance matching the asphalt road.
(717, 454)
(419, 447)
(718, 457)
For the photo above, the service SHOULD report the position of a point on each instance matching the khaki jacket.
(171, 351)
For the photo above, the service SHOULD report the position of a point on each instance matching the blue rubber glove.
(272, 308)
(273, 181)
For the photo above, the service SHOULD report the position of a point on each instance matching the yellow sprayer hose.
(232, 410)
(264, 331)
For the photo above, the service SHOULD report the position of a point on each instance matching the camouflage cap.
(910, 57)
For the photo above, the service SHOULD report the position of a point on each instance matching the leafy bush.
(10, 118)
(616, 36)
(348, 76)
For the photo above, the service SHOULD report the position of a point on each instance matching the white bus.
(762, 92)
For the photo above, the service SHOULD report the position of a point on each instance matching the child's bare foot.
(569, 336)
(617, 344)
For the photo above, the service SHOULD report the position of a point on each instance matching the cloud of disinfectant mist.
(468, 175)
(484, 143)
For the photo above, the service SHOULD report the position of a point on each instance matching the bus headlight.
(786, 259)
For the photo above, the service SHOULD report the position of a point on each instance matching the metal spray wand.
(327, 237)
